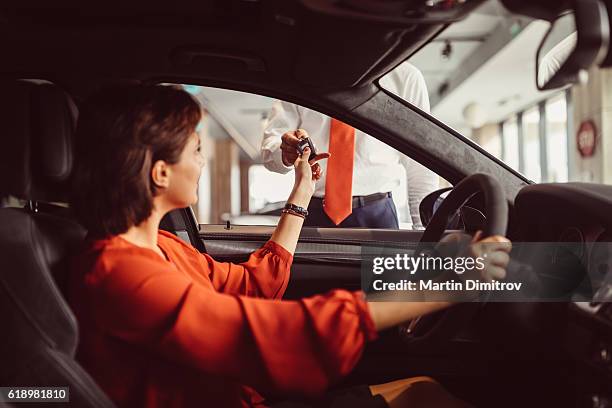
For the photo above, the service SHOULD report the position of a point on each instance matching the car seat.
(40, 333)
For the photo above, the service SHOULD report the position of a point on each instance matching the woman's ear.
(160, 174)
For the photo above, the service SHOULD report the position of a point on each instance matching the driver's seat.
(40, 332)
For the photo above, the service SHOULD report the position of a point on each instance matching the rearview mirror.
(574, 42)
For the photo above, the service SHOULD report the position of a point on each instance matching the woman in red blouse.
(164, 325)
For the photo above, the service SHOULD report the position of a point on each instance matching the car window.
(480, 76)
(245, 181)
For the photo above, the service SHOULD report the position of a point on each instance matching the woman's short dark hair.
(121, 133)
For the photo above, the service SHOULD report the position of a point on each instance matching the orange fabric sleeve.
(292, 347)
(265, 274)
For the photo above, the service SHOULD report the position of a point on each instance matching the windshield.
(480, 76)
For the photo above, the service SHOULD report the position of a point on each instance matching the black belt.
(358, 201)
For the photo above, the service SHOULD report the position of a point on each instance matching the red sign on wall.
(586, 138)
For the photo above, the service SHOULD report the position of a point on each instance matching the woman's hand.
(306, 172)
(495, 251)
(492, 250)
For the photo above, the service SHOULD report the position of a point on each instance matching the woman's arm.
(282, 346)
(266, 272)
(289, 226)
(307, 173)
(387, 314)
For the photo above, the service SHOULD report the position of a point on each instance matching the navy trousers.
(378, 214)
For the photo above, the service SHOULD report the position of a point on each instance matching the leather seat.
(40, 333)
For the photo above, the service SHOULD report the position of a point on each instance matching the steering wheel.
(443, 324)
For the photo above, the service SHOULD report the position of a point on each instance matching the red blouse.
(191, 331)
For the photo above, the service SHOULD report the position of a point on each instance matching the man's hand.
(289, 144)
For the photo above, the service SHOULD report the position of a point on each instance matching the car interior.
(489, 354)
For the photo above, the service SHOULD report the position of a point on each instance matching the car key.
(306, 142)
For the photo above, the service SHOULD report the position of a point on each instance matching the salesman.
(355, 189)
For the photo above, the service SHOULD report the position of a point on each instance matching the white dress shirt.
(377, 168)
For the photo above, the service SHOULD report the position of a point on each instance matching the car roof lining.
(312, 42)
(288, 51)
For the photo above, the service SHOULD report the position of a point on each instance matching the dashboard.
(575, 222)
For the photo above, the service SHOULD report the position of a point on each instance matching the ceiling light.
(447, 50)
(474, 114)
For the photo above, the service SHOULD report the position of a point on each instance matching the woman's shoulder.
(102, 257)
(166, 238)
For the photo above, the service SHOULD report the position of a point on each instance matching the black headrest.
(37, 124)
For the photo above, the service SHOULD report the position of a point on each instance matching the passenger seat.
(40, 333)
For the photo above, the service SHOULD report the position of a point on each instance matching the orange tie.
(339, 178)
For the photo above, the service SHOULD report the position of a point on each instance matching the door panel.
(337, 235)
(325, 258)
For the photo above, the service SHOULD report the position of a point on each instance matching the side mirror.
(468, 218)
(430, 203)
(574, 42)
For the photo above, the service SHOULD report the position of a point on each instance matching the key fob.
(306, 142)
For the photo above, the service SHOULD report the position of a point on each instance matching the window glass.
(556, 138)
(510, 143)
(480, 76)
(245, 180)
(531, 144)
(489, 137)
(267, 188)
